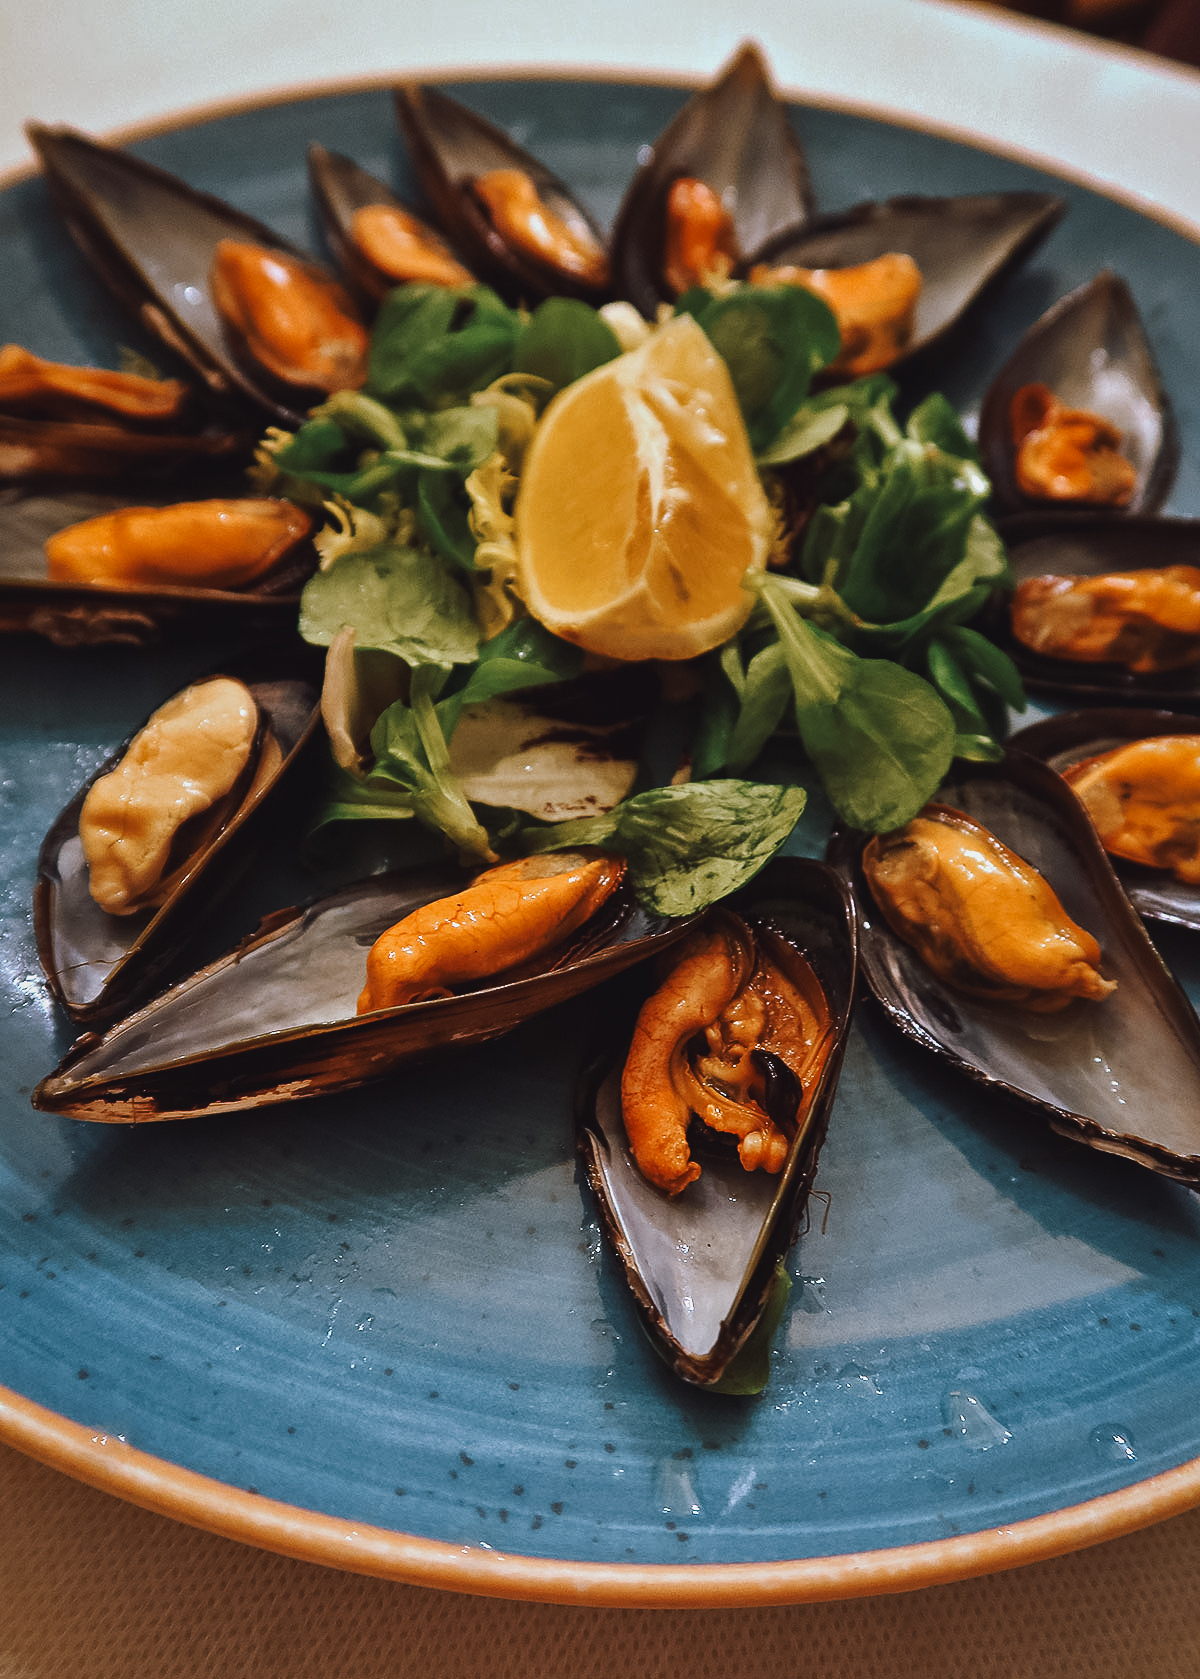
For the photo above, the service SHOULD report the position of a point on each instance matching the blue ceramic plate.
(381, 1330)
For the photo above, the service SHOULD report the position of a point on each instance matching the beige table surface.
(91, 1587)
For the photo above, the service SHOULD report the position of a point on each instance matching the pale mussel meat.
(1117, 1066)
(1138, 774)
(134, 864)
(702, 1262)
(733, 148)
(285, 1014)
(1105, 610)
(377, 241)
(252, 315)
(1091, 355)
(72, 609)
(961, 247)
(511, 219)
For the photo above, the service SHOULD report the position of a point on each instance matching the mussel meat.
(1067, 454)
(277, 1018)
(1091, 352)
(700, 1250)
(513, 221)
(1138, 775)
(153, 240)
(218, 544)
(1121, 1074)
(138, 857)
(377, 241)
(1104, 608)
(30, 384)
(726, 175)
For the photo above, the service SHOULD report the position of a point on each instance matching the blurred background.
(1168, 27)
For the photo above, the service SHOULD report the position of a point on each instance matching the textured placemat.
(96, 1589)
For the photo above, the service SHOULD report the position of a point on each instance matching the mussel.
(71, 610)
(702, 1262)
(961, 247)
(1156, 659)
(278, 1017)
(1078, 738)
(133, 864)
(733, 147)
(1091, 352)
(511, 219)
(1122, 1073)
(252, 315)
(377, 241)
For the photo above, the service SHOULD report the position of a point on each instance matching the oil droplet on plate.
(1112, 1443)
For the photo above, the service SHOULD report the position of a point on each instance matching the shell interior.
(1091, 349)
(1122, 1075)
(701, 1264)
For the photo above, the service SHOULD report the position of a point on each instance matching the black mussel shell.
(701, 1265)
(33, 450)
(735, 135)
(1092, 351)
(1121, 1075)
(151, 238)
(98, 964)
(340, 188)
(450, 147)
(275, 1019)
(1092, 545)
(1075, 735)
(962, 246)
(92, 614)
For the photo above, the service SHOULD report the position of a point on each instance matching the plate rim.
(107, 1462)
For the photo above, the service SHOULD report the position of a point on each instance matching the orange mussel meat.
(1147, 621)
(29, 384)
(295, 320)
(980, 917)
(1144, 802)
(208, 544)
(523, 219)
(699, 1045)
(875, 304)
(403, 248)
(508, 916)
(1067, 454)
(700, 243)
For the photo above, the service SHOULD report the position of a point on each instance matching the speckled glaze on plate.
(381, 1331)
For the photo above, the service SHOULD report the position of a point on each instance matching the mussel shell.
(1075, 735)
(1122, 1075)
(151, 238)
(1091, 349)
(90, 614)
(340, 187)
(73, 450)
(701, 1265)
(450, 146)
(1093, 544)
(962, 246)
(735, 135)
(275, 1019)
(99, 964)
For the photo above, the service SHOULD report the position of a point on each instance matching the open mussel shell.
(275, 1019)
(1091, 349)
(1072, 737)
(962, 246)
(152, 238)
(736, 137)
(451, 147)
(1121, 1075)
(701, 1265)
(340, 189)
(99, 964)
(93, 614)
(34, 450)
(1094, 544)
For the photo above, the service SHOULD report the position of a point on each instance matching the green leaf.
(562, 340)
(431, 346)
(990, 662)
(687, 847)
(772, 339)
(398, 598)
